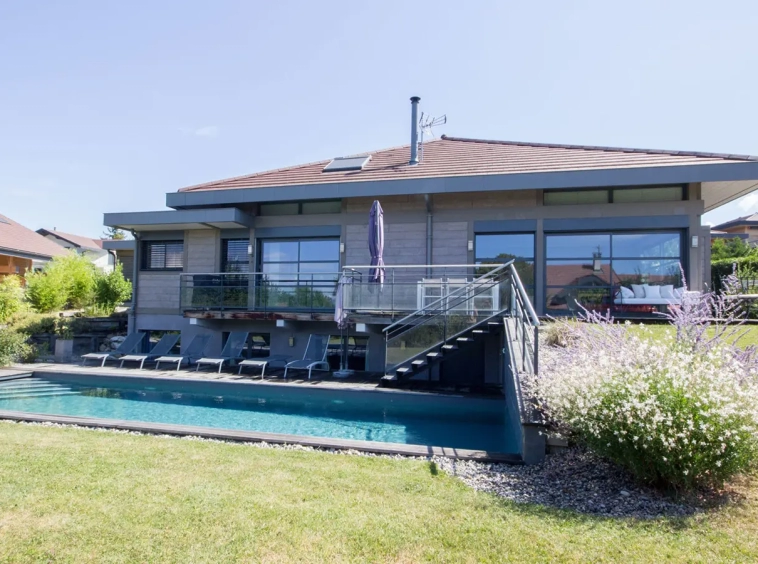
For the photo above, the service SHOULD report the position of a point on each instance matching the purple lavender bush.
(678, 411)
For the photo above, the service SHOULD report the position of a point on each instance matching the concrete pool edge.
(233, 435)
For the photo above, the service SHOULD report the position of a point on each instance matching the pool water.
(366, 416)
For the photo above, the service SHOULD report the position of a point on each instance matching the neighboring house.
(262, 252)
(123, 249)
(745, 227)
(84, 246)
(726, 235)
(22, 250)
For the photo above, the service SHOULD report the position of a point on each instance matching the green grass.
(750, 336)
(73, 495)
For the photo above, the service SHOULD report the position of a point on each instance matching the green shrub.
(67, 281)
(111, 290)
(11, 297)
(13, 347)
(747, 268)
(735, 247)
(679, 411)
(33, 323)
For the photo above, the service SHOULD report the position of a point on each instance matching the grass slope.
(73, 495)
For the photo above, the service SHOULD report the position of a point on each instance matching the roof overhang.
(716, 194)
(175, 220)
(24, 255)
(722, 183)
(118, 244)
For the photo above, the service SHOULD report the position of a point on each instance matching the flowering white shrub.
(678, 411)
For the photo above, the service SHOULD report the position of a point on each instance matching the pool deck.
(249, 376)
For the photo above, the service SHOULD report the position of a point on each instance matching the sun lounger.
(162, 347)
(232, 351)
(129, 345)
(314, 357)
(195, 349)
(262, 363)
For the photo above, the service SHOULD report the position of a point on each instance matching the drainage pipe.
(135, 278)
(429, 233)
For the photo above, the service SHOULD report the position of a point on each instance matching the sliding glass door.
(590, 269)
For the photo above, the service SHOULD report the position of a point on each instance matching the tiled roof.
(76, 240)
(740, 221)
(15, 238)
(454, 156)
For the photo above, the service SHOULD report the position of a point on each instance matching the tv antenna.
(426, 124)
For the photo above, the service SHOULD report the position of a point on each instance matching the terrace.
(405, 289)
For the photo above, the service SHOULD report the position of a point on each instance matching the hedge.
(747, 268)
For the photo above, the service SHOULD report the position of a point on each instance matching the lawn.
(750, 336)
(74, 495)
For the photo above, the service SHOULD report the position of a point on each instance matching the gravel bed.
(574, 479)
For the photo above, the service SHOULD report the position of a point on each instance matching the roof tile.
(454, 156)
(14, 237)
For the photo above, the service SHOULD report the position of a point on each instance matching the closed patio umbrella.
(376, 242)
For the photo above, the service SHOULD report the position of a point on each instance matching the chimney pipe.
(414, 130)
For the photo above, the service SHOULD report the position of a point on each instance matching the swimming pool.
(391, 417)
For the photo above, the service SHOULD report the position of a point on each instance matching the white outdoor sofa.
(640, 294)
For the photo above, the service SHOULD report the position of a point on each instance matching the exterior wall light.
(695, 241)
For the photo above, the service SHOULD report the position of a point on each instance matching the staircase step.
(448, 348)
(418, 363)
(403, 371)
(464, 339)
(433, 355)
(480, 331)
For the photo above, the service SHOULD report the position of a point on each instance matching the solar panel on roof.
(347, 163)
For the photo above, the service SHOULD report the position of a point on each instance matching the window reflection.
(298, 273)
(590, 269)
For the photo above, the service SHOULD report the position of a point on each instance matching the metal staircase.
(456, 321)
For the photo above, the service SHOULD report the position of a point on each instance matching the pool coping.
(374, 447)
(187, 376)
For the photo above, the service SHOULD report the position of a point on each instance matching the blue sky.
(106, 106)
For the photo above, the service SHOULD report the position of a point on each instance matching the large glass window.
(234, 255)
(299, 273)
(591, 269)
(162, 255)
(502, 247)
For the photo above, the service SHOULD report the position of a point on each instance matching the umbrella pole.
(344, 371)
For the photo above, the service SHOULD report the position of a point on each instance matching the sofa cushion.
(626, 293)
(667, 292)
(652, 292)
(639, 290)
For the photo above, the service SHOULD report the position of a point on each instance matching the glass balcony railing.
(258, 291)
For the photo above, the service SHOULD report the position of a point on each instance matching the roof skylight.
(347, 163)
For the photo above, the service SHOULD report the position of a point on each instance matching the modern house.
(22, 250)
(585, 225)
(91, 249)
(745, 227)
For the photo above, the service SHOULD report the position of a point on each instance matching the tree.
(11, 297)
(112, 289)
(114, 233)
(731, 248)
(66, 281)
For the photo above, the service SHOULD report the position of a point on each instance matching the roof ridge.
(293, 167)
(604, 148)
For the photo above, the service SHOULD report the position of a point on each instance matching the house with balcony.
(607, 229)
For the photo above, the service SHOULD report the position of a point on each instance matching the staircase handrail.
(424, 311)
